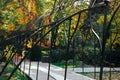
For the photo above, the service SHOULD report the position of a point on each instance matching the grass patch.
(62, 64)
(70, 64)
(18, 75)
(106, 75)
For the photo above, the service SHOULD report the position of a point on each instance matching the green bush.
(111, 58)
(59, 55)
(35, 54)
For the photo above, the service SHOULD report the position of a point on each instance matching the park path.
(57, 73)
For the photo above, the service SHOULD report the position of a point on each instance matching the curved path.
(56, 73)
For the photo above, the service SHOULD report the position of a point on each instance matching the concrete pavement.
(57, 73)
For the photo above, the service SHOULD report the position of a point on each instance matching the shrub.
(35, 54)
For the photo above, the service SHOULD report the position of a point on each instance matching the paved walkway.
(57, 73)
(97, 69)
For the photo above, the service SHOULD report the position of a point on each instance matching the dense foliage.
(28, 15)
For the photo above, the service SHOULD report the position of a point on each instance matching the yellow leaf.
(11, 27)
(13, 78)
(29, 45)
(32, 6)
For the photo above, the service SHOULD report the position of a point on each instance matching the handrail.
(69, 37)
(53, 26)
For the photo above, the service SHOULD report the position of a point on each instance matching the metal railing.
(86, 44)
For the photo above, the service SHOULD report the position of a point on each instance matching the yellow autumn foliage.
(21, 21)
(32, 6)
(29, 45)
(8, 51)
(13, 78)
(11, 27)
(57, 42)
